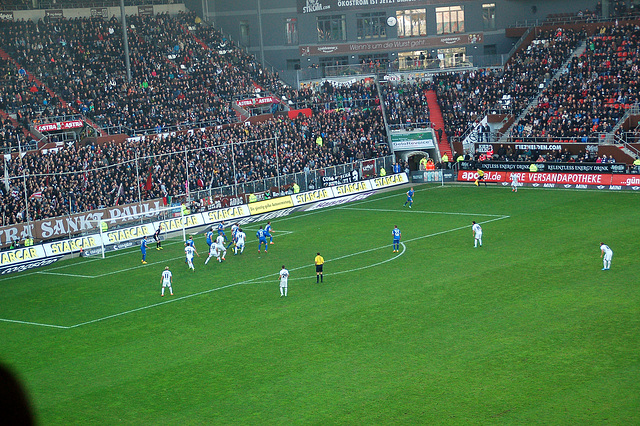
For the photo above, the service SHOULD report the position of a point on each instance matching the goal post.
(117, 233)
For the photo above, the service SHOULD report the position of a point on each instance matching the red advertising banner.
(559, 180)
(257, 101)
(61, 125)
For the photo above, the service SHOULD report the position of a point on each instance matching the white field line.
(270, 276)
(355, 203)
(420, 212)
(93, 259)
(249, 281)
(64, 275)
(35, 323)
(123, 253)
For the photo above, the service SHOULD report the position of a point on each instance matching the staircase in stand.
(535, 101)
(435, 115)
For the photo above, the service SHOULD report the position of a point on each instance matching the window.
(489, 16)
(291, 31)
(449, 20)
(293, 64)
(332, 66)
(371, 25)
(244, 33)
(411, 23)
(490, 50)
(331, 28)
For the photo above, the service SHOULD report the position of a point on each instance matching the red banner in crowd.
(61, 125)
(257, 101)
(536, 179)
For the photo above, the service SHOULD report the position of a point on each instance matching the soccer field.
(526, 329)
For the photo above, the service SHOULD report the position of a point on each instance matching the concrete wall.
(34, 15)
(227, 14)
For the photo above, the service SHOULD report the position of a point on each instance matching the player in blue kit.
(262, 238)
(143, 249)
(396, 238)
(409, 197)
(221, 230)
(210, 237)
(267, 232)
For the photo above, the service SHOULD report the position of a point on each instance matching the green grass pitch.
(526, 329)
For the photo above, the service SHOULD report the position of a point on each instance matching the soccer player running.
(189, 243)
(234, 231)
(409, 197)
(480, 178)
(221, 230)
(213, 252)
(396, 238)
(606, 255)
(240, 239)
(477, 234)
(167, 281)
(262, 238)
(143, 249)
(267, 232)
(210, 236)
(319, 261)
(189, 251)
(284, 277)
(156, 236)
(220, 246)
(514, 182)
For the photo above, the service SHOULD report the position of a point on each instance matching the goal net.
(118, 233)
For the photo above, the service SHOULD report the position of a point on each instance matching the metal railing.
(74, 4)
(306, 180)
(569, 20)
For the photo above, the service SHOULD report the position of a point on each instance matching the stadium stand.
(187, 75)
(592, 96)
(466, 97)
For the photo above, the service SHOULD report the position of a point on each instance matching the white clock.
(391, 21)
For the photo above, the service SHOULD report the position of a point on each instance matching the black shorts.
(481, 177)
(319, 268)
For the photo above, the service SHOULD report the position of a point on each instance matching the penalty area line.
(269, 276)
(35, 323)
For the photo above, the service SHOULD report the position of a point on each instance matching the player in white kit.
(240, 239)
(220, 246)
(284, 277)
(514, 182)
(189, 251)
(213, 252)
(477, 234)
(167, 280)
(606, 256)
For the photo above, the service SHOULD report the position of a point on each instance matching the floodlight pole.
(138, 178)
(235, 176)
(277, 164)
(125, 41)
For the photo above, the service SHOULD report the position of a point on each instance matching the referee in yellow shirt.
(319, 263)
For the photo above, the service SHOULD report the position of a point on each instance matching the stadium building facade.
(304, 39)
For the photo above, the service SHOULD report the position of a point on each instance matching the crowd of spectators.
(84, 178)
(182, 72)
(593, 95)
(466, 97)
(185, 74)
(406, 104)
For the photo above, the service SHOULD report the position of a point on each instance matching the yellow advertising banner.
(270, 205)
